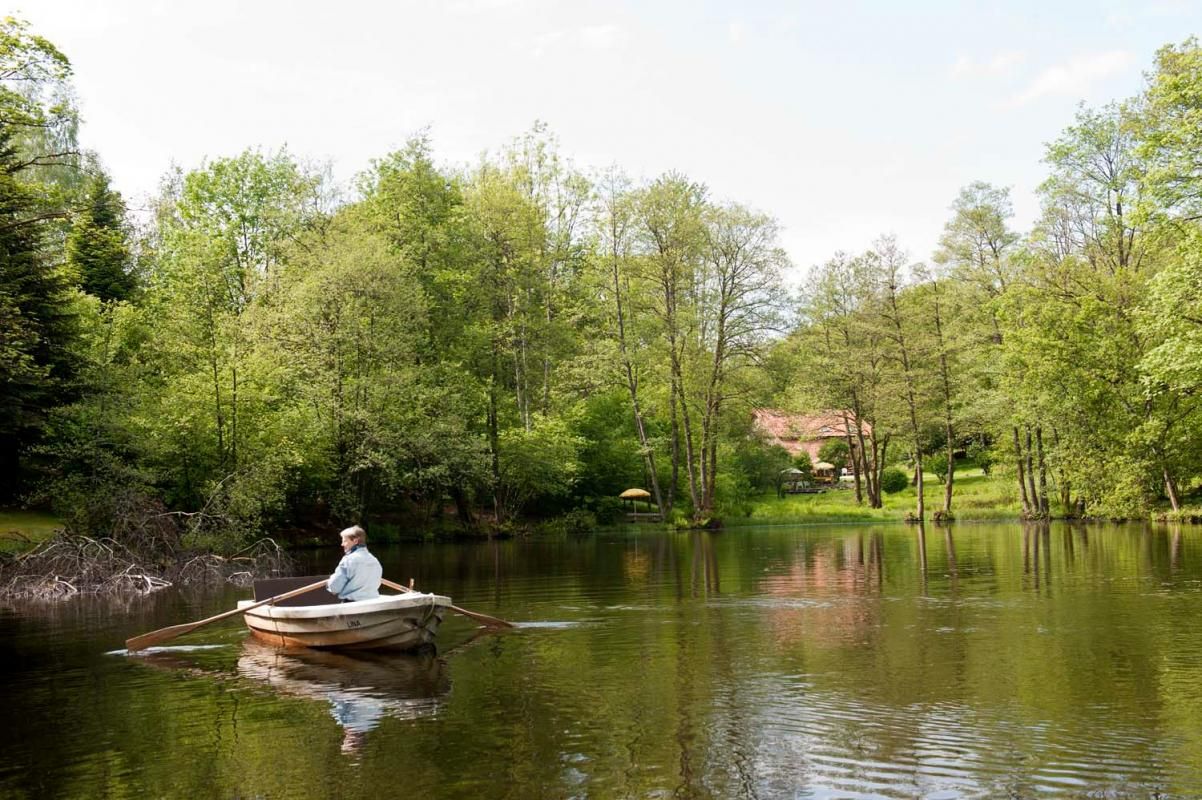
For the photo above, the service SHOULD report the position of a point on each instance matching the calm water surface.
(819, 662)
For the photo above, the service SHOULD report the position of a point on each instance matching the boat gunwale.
(383, 603)
(365, 623)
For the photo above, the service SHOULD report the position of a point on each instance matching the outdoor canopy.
(635, 494)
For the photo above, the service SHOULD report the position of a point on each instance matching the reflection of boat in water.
(396, 622)
(361, 688)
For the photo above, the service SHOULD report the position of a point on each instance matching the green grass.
(975, 496)
(20, 530)
(1188, 513)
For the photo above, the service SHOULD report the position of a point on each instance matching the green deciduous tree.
(224, 235)
(842, 356)
(739, 309)
(1075, 341)
(37, 108)
(1170, 128)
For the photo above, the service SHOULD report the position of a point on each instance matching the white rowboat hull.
(395, 622)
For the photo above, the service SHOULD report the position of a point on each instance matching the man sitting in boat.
(358, 574)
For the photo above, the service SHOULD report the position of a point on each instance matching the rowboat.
(398, 622)
(394, 622)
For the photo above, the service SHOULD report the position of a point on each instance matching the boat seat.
(270, 587)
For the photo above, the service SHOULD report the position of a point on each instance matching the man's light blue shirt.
(357, 576)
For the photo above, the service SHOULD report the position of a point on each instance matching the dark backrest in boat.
(273, 586)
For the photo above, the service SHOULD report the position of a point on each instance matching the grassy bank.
(975, 496)
(20, 530)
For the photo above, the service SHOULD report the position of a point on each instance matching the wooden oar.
(163, 634)
(487, 620)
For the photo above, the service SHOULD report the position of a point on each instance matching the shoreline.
(22, 530)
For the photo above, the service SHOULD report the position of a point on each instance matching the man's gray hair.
(356, 533)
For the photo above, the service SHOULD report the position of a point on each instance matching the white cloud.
(737, 31)
(601, 37)
(472, 7)
(1120, 20)
(1075, 77)
(1001, 63)
(590, 37)
(543, 41)
(1124, 16)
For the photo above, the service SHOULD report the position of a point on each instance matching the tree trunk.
(868, 469)
(1063, 486)
(525, 379)
(946, 381)
(1170, 489)
(219, 417)
(851, 454)
(641, 430)
(674, 425)
(1031, 490)
(706, 483)
(1066, 494)
(949, 479)
(1045, 509)
(871, 476)
(649, 460)
(517, 388)
(550, 317)
(880, 468)
(896, 319)
(678, 393)
(920, 509)
(1022, 483)
(218, 414)
(708, 435)
(709, 457)
(709, 421)
(494, 439)
(234, 411)
(920, 504)
(690, 456)
(712, 488)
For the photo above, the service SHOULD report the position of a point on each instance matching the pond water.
(991, 660)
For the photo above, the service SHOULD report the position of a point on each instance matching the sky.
(842, 120)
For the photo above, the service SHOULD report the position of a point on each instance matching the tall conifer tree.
(37, 328)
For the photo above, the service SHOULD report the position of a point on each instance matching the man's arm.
(338, 581)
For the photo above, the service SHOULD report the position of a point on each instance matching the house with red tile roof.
(807, 433)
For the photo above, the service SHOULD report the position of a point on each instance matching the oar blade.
(154, 637)
(487, 620)
(163, 634)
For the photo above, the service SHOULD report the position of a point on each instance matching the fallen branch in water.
(70, 564)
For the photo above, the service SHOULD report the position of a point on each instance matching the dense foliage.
(1066, 356)
(516, 338)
